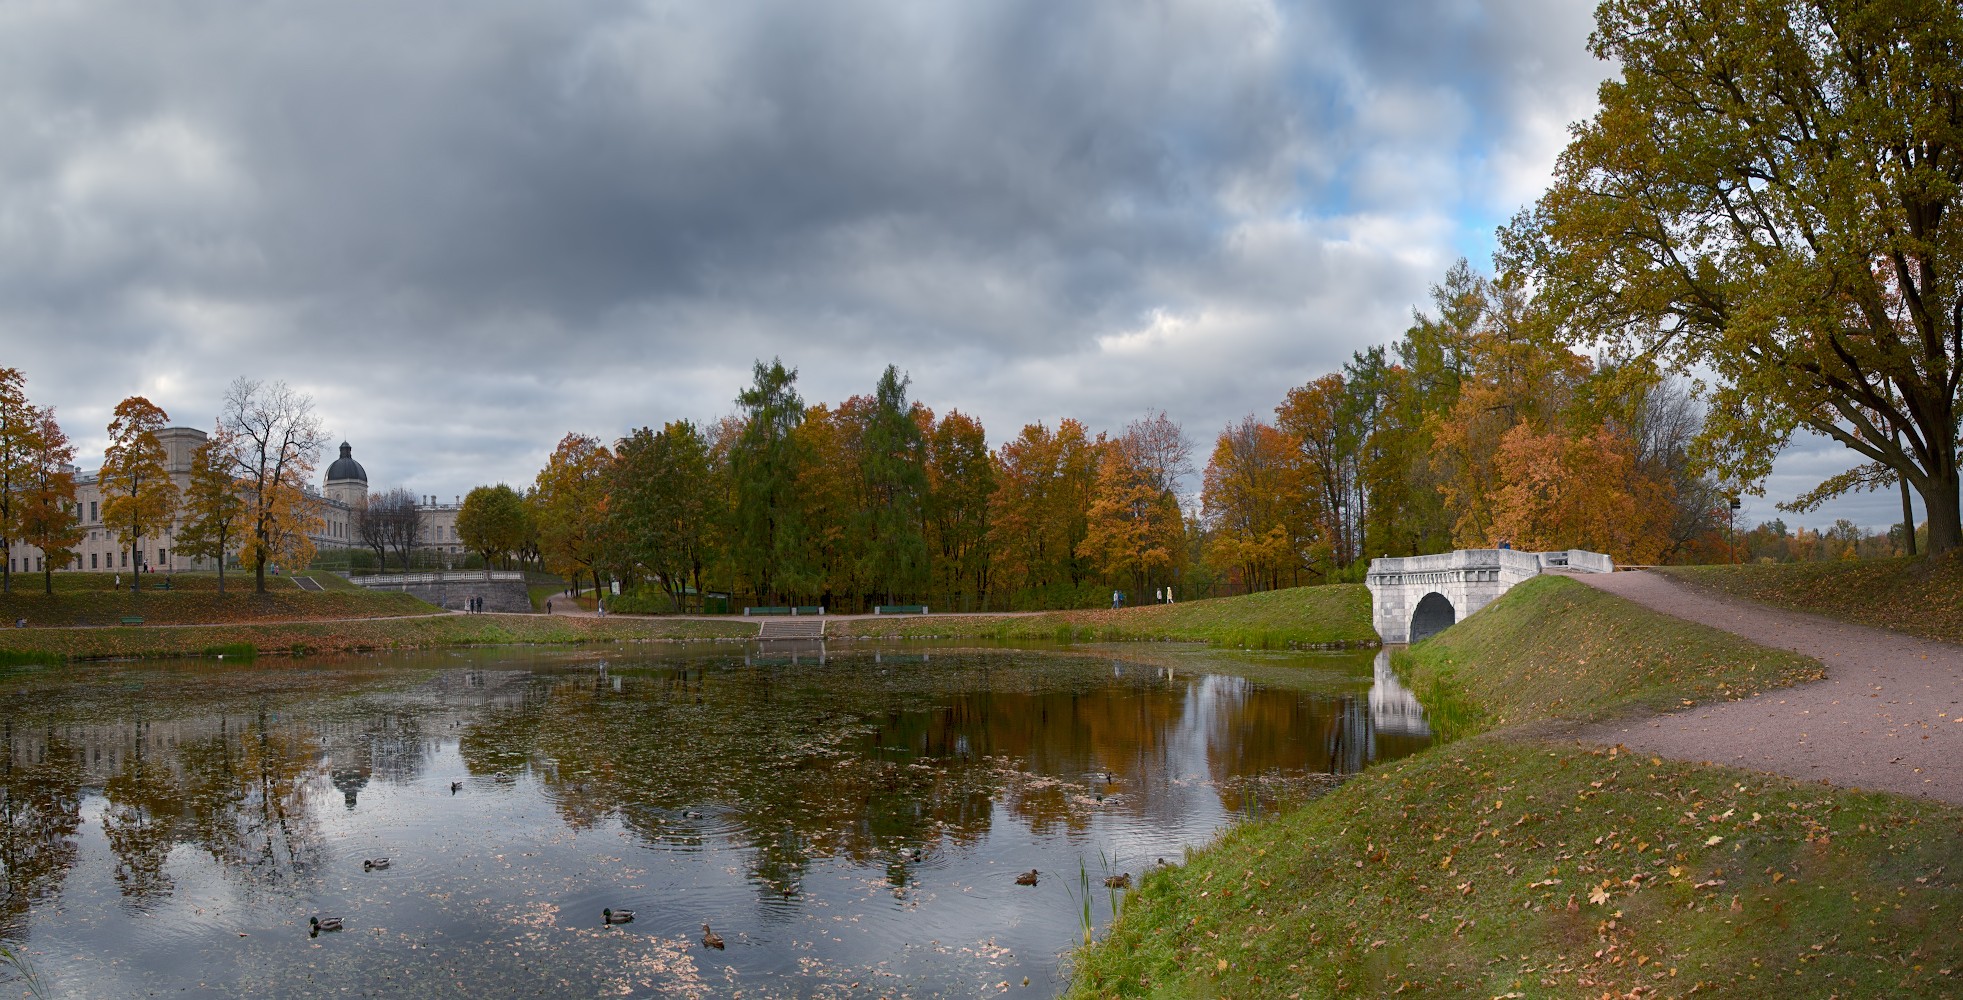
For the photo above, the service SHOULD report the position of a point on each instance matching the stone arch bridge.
(1414, 597)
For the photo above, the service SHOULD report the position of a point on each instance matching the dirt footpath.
(1886, 717)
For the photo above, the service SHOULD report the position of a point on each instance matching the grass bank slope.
(1504, 866)
(1556, 647)
(1907, 594)
(348, 636)
(96, 599)
(1308, 616)
(1493, 868)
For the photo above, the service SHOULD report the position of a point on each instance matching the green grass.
(1500, 865)
(364, 634)
(1556, 647)
(1299, 616)
(1498, 868)
(1907, 594)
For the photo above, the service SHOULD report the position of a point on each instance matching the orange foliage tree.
(1585, 491)
(275, 442)
(49, 520)
(1037, 514)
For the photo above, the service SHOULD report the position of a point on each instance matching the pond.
(850, 818)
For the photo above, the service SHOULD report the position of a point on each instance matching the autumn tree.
(17, 425)
(961, 478)
(1320, 419)
(767, 461)
(569, 497)
(1263, 520)
(1135, 528)
(1582, 491)
(1769, 194)
(1038, 512)
(893, 469)
(49, 521)
(388, 521)
(275, 442)
(492, 521)
(139, 498)
(662, 499)
(214, 509)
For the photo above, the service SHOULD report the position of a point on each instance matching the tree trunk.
(1908, 518)
(1945, 525)
(49, 572)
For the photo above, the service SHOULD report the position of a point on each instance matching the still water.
(850, 818)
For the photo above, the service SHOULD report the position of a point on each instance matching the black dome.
(346, 467)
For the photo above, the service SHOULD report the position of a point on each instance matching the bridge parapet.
(1413, 597)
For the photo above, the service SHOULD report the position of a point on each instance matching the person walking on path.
(1886, 716)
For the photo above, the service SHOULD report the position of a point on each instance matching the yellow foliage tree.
(48, 515)
(275, 441)
(139, 498)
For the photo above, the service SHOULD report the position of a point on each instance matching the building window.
(163, 558)
(92, 517)
(126, 558)
(92, 563)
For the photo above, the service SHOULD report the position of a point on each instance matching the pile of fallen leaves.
(1491, 868)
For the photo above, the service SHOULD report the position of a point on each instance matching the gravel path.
(1886, 717)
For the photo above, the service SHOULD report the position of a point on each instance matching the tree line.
(248, 495)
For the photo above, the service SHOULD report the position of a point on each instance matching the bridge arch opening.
(1433, 615)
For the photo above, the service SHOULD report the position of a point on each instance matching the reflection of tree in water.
(145, 808)
(247, 791)
(41, 810)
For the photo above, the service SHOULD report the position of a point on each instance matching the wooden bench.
(808, 609)
(768, 611)
(129, 620)
(899, 609)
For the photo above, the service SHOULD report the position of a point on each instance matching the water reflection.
(843, 815)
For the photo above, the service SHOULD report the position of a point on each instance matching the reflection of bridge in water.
(1389, 712)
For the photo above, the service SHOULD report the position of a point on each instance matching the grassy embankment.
(96, 599)
(1505, 866)
(1276, 619)
(1907, 594)
(286, 619)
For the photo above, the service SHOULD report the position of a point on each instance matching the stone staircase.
(800, 627)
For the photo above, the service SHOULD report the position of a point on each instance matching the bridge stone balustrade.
(1414, 597)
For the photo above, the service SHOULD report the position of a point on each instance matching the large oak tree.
(1768, 195)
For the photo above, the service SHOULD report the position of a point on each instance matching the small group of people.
(474, 605)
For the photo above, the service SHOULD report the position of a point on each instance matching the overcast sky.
(468, 228)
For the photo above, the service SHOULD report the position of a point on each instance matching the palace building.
(343, 490)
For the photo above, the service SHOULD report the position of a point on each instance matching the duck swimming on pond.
(373, 863)
(315, 925)
(710, 939)
(616, 916)
(691, 814)
(1028, 877)
(1119, 881)
(455, 787)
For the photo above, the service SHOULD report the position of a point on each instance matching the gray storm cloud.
(469, 228)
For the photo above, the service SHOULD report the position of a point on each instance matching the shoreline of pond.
(1600, 869)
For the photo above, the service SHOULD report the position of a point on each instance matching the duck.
(1028, 877)
(710, 939)
(315, 925)
(1121, 880)
(373, 863)
(455, 787)
(691, 814)
(617, 916)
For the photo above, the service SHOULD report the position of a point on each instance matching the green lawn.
(1556, 647)
(1501, 865)
(1907, 594)
(1303, 616)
